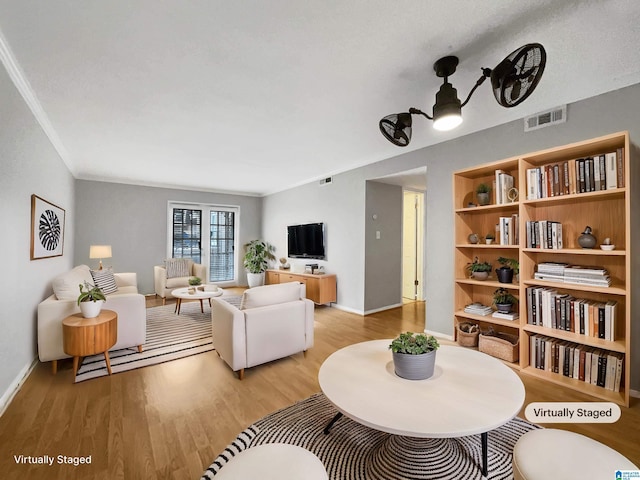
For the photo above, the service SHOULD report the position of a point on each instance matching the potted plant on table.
(510, 266)
(504, 300)
(482, 193)
(414, 355)
(91, 300)
(256, 260)
(479, 270)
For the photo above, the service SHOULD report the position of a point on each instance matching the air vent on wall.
(326, 181)
(546, 118)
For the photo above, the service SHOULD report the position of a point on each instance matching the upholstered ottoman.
(557, 454)
(273, 461)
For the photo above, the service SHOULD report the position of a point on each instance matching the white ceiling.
(258, 96)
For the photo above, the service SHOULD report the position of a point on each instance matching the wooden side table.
(82, 337)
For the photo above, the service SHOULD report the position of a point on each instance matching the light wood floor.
(171, 420)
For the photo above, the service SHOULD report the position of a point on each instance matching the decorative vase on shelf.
(474, 238)
(586, 239)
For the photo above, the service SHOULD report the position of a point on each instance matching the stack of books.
(551, 271)
(506, 316)
(593, 276)
(478, 309)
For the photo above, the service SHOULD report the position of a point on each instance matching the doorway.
(412, 246)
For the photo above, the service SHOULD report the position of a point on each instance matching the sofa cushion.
(177, 282)
(178, 267)
(65, 286)
(270, 295)
(105, 280)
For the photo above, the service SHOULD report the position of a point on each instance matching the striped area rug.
(352, 451)
(169, 337)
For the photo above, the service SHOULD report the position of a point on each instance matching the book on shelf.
(506, 316)
(544, 234)
(478, 309)
(596, 366)
(503, 183)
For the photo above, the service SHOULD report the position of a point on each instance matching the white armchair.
(273, 321)
(164, 286)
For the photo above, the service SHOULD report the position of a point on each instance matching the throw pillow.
(65, 286)
(177, 267)
(105, 280)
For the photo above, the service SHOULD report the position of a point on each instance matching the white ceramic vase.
(91, 309)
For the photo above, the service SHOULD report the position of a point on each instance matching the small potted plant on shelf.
(489, 238)
(414, 355)
(91, 300)
(504, 300)
(509, 267)
(479, 270)
(482, 193)
(256, 260)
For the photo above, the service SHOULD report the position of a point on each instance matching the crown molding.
(22, 84)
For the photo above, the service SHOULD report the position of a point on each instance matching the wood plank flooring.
(169, 421)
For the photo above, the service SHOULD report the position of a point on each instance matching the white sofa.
(273, 321)
(126, 302)
(164, 286)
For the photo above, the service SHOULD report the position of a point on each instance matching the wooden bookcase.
(606, 211)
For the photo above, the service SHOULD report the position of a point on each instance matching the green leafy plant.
(477, 266)
(490, 236)
(511, 263)
(482, 188)
(414, 343)
(502, 297)
(257, 254)
(92, 294)
(194, 281)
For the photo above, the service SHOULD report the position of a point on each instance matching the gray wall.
(28, 165)
(383, 256)
(133, 220)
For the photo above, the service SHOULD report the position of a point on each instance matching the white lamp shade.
(100, 251)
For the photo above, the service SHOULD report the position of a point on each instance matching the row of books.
(508, 230)
(545, 234)
(502, 184)
(588, 364)
(548, 308)
(599, 172)
(573, 274)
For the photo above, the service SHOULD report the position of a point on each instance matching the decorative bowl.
(607, 247)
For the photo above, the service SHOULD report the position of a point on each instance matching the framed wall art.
(47, 229)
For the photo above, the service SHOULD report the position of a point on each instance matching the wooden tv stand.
(320, 288)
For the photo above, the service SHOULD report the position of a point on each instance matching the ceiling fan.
(512, 81)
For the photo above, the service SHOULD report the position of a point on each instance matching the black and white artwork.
(47, 229)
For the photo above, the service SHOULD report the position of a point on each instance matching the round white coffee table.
(183, 294)
(470, 393)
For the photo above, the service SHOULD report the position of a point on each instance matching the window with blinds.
(221, 248)
(187, 230)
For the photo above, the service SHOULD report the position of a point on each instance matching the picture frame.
(47, 229)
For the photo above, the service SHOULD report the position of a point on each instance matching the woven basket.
(466, 339)
(500, 345)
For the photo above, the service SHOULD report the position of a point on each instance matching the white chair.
(164, 286)
(273, 321)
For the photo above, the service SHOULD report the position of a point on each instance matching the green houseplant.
(510, 266)
(479, 270)
(482, 193)
(414, 355)
(256, 260)
(504, 300)
(90, 300)
(195, 281)
(489, 238)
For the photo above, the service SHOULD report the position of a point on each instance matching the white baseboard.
(634, 393)
(14, 387)
(439, 334)
(347, 309)
(382, 309)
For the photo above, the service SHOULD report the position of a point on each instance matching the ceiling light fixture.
(513, 80)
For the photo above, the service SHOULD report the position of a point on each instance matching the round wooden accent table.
(88, 336)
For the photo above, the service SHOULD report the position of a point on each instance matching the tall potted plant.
(414, 355)
(256, 260)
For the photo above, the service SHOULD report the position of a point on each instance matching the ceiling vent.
(544, 119)
(326, 181)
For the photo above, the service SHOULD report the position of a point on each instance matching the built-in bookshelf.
(585, 184)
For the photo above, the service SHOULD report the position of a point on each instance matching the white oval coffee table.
(470, 393)
(183, 294)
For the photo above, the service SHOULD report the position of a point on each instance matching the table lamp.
(100, 252)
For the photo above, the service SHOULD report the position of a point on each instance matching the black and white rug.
(169, 337)
(352, 451)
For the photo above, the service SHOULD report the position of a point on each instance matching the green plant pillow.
(105, 280)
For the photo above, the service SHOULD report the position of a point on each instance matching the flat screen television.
(306, 241)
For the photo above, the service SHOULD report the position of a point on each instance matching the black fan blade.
(515, 91)
(397, 128)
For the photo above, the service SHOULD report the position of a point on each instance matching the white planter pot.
(91, 309)
(255, 279)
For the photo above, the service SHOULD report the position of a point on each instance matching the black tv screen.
(306, 241)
